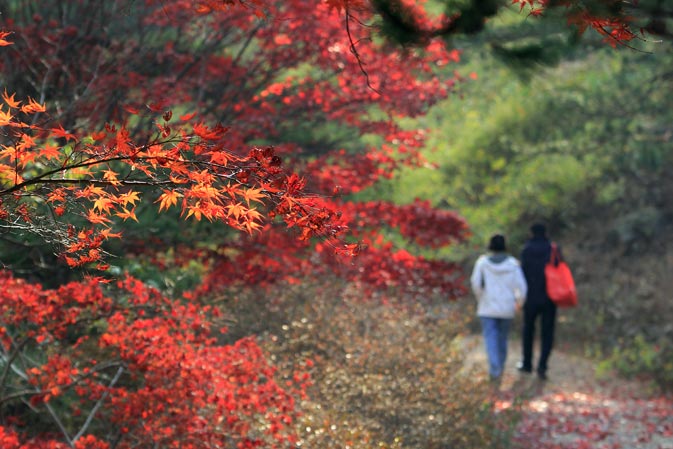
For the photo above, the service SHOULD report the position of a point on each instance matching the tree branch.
(98, 405)
(355, 53)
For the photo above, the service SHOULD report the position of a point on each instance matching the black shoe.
(523, 369)
(542, 375)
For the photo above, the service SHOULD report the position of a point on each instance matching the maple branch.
(40, 179)
(24, 376)
(623, 43)
(10, 364)
(98, 368)
(354, 50)
(241, 91)
(98, 405)
(242, 51)
(59, 423)
(95, 182)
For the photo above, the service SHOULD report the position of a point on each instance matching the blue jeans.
(495, 331)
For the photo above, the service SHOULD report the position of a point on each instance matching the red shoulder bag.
(560, 282)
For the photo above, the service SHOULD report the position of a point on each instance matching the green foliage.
(642, 358)
(512, 149)
(163, 272)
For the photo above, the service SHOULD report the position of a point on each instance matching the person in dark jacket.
(534, 257)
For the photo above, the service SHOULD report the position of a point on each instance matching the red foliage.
(160, 376)
(91, 363)
(204, 170)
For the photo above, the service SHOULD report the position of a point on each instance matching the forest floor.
(577, 409)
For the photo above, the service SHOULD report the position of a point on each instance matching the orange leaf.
(196, 211)
(128, 197)
(168, 198)
(103, 204)
(10, 100)
(187, 117)
(206, 133)
(32, 107)
(100, 135)
(108, 234)
(6, 171)
(49, 152)
(237, 210)
(3, 41)
(57, 195)
(111, 177)
(26, 142)
(130, 109)
(95, 218)
(125, 214)
(219, 157)
(251, 226)
(60, 132)
(5, 118)
(252, 215)
(282, 39)
(253, 195)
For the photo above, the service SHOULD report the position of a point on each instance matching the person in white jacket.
(500, 288)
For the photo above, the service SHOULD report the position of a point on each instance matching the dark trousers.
(547, 314)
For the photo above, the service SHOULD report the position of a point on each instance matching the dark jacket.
(534, 257)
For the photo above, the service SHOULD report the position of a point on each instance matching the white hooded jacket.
(499, 285)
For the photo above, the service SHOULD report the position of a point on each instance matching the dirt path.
(574, 409)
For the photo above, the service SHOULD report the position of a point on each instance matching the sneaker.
(523, 369)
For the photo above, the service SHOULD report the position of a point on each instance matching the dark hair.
(538, 230)
(497, 243)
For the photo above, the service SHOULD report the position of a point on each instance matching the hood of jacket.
(500, 263)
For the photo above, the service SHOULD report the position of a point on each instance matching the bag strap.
(554, 257)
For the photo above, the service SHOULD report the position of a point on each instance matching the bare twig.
(98, 405)
(354, 50)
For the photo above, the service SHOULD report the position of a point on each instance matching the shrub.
(642, 358)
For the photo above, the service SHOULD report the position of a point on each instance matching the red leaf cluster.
(160, 378)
